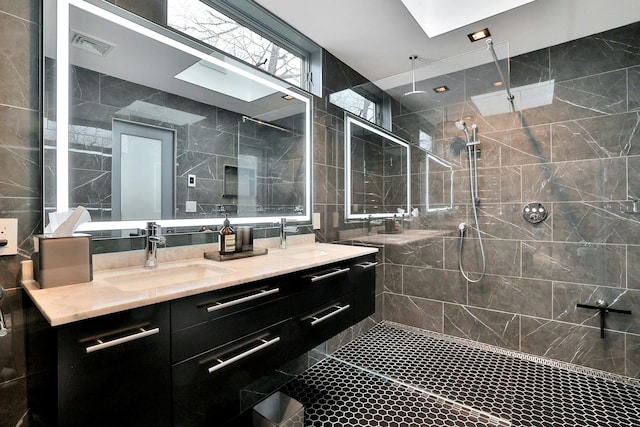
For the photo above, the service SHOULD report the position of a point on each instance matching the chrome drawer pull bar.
(106, 344)
(333, 273)
(249, 352)
(367, 264)
(333, 313)
(262, 293)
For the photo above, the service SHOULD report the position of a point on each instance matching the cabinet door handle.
(317, 320)
(262, 293)
(367, 264)
(332, 273)
(106, 344)
(249, 352)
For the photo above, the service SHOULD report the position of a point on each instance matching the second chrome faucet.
(153, 239)
(284, 229)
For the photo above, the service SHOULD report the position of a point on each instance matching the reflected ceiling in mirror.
(219, 112)
(377, 171)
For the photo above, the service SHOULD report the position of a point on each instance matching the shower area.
(512, 343)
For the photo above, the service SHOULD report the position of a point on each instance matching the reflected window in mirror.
(218, 113)
(215, 28)
(377, 171)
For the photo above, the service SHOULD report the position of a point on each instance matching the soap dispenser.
(227, 239)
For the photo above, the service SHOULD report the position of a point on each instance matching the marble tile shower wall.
(20, 189)
(580, 157)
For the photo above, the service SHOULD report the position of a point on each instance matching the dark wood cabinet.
(184, 362)
(222, 341)
(112, 370)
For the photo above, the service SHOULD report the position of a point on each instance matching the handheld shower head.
(463, 127)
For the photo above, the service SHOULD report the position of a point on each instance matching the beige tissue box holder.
(59, 261)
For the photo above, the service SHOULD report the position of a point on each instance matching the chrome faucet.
(154, 238)
(284, 229)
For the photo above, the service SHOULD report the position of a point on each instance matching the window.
(218, 29)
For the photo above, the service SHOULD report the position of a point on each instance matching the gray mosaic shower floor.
(398, 376)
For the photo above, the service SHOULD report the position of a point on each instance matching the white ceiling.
(376, 37)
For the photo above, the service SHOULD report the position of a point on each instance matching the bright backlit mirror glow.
(377, 171)
(224, 121)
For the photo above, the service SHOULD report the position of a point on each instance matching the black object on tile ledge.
(604, 309)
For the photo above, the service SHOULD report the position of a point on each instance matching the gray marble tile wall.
(20, 189)
(580, 157)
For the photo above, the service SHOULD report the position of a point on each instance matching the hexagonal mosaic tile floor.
(398, 376)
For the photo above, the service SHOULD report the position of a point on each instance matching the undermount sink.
(167, 276)
(302, 253)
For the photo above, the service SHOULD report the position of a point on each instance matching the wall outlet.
(8, 236)
(316, 221)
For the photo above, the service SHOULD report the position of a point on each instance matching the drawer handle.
(327, 316)
(334, 272)
(367, 264)
(262, 293)
(249, 352)
(106, 344)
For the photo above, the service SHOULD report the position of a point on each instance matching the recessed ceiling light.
(440, 89)
(479, 35)
(287, 97)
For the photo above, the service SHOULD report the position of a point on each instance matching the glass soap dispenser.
(227, 239)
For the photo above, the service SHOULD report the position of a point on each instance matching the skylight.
(437, 17)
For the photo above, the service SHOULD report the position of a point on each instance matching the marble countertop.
(403, 238)
(110, 292)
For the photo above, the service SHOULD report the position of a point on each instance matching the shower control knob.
(534, 213)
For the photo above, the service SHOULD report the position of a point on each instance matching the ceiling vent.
(90, 44)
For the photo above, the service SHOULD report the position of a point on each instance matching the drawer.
(189, 311)
(363, 282)
(214, 333)
(97, 357)
(320, 287)
(206, 389)
(322, 323)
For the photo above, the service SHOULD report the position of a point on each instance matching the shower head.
(463, 127)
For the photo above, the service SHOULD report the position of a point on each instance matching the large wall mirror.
(377, 171)
(142, 123)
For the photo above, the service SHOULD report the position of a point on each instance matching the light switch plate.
(191, 180)
(191, 206)
(8, 233)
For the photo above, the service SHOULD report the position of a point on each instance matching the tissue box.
(59, 261)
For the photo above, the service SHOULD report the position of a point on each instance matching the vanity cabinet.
(183, 362)
(332, 299)
(222, 341)
(109, 371)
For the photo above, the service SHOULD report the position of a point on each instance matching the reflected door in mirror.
(143, 159)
